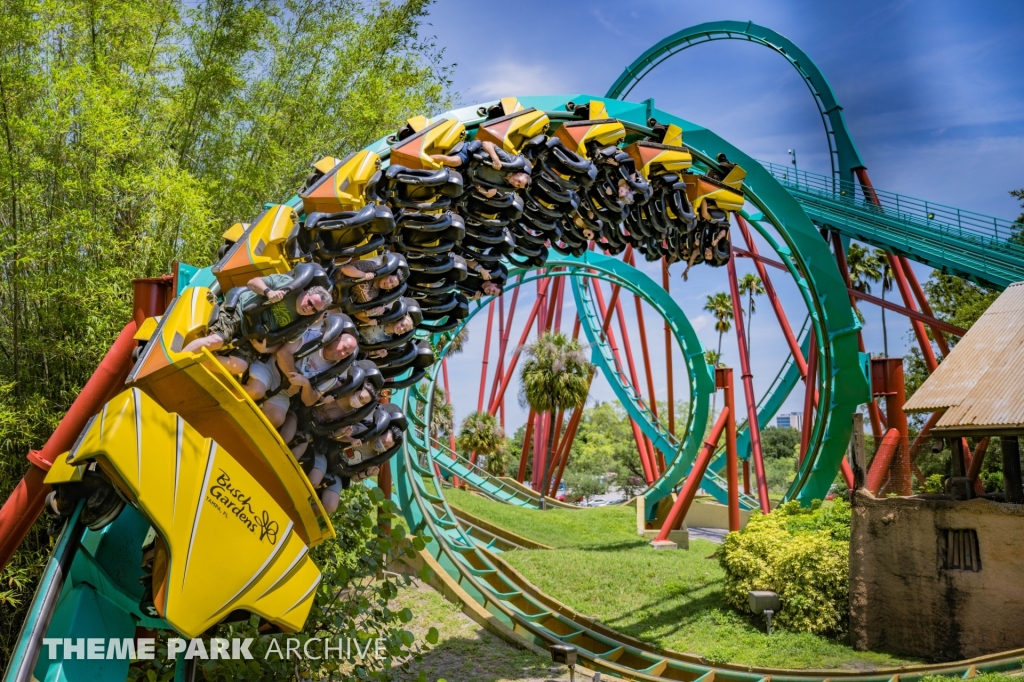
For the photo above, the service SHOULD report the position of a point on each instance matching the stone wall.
(936, 579)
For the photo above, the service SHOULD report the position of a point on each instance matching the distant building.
(793, 420)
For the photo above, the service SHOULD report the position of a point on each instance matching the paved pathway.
(713, 534)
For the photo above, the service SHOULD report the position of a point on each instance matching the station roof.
(981, 383)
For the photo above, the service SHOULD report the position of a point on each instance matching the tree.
(864, 268)
(752, 286)
(133, 134)
(713, 358)
(481, 435)
(778, 443)
(720, 306)
(556, 376)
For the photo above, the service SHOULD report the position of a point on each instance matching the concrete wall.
(902, 597)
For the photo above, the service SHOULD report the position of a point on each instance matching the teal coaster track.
(100, 570)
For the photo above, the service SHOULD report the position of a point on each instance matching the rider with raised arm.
(232, 325)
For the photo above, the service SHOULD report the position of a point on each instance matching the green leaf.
(432, 635)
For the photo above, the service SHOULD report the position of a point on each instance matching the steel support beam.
(748, 391)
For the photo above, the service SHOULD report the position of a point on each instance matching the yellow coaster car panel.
(261, 249)
(439, 137)
(235, 232)
(148, 327)
(576, 135)
(735, 177)
(225, 542)
(199, 388)
(326, 164)
(511, 132)
(653, 159)
(343, 186)
(700, 189)
(673, 136)
(62, 471)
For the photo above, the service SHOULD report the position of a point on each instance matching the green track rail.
(971, 245)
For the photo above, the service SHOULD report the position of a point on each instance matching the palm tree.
(885, 266)
(556, 376)
(752, 286)
(864, 268)
(719, 305)
(481, 435)
(712, 357)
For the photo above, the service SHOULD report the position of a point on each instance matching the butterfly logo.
(268, 528)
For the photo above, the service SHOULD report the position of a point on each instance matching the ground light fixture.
(564, 654)
(766, 602)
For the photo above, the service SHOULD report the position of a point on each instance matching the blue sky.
(933, 92)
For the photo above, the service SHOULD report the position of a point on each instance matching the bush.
(803, 554)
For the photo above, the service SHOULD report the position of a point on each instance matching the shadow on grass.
(623, 546)
(681, 616)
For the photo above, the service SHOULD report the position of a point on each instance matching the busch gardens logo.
(233, 500)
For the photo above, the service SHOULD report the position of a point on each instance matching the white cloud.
(508, 77)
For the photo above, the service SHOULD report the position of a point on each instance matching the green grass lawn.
(603, 569)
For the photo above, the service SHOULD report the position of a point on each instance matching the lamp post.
(796, 171)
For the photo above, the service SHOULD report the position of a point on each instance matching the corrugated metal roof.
(982, 381)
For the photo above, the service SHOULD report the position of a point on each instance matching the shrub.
(801, 553)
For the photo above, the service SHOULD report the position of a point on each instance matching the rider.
(231, 324)
(461, 159)
(299, 374)
(376, 333)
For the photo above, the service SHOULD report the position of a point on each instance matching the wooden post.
(1010, 446)
(858, 454)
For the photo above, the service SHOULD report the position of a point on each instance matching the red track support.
(898, 264)
(748, 391)
(935, 324)
(879, 471)
(877, 427)
(507, 329)
(723, 380)
(501, 352)
(519, 349)
(648, 371)
(810, 388)
(908, 300)
(25, 503)
(693, 481)
(566, 448)
(844, 468)
(668, 356)
(887, 380)
(634, 378)
(769, 289)
(977, 459)
(487, 352)
(925, 308)
(746, 477)
(606, 313)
